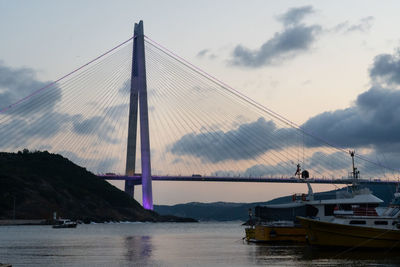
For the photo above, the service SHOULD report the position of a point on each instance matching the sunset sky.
(332, 67)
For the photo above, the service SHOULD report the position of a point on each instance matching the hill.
(41, 183)
(225, 211)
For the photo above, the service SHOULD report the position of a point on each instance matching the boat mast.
(310, 191)
(355, 173)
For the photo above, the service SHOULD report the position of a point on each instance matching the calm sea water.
(165, 244)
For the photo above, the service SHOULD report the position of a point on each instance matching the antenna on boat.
(355, 173)
(298, 171)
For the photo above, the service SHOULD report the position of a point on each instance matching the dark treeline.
(40, 183)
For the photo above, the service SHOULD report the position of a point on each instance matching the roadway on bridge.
(199, 178)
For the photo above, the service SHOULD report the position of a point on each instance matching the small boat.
(65, 223)
(358, 230)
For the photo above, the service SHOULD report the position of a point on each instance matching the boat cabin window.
(381, 222)
(394, 211)
(329, 209)
(369, 205)
(345, 207)
(357, 222)
(311, 211)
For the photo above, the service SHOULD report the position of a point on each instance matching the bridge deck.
(137, 179)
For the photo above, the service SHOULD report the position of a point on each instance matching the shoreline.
(24, 222)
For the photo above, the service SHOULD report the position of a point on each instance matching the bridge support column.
(140, 76)
(130, 188)
(139, 96)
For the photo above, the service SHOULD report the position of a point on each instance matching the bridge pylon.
(138, 102)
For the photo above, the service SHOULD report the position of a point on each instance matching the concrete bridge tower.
(138, 101)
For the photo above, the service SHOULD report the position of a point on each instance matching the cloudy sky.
(332, 67)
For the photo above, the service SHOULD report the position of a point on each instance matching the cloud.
(117, 111)
(202, 53)
(319, 162)
(177, 160)
(372, 121)
(46, 126)
(16, 83)
(295, 15)
(322, 161)
(32, 119)
(18, 132)
(282, 46)
(88, 126)
(105, 165)
(97, 126)
(94, 165)
(244, 142)
(36, 119)
(262, 170)
(386, 69)
(364, 25)
(125, 89)
(206, 53)
(293, 39)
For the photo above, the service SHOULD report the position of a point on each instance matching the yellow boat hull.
(338, 235)
(262, 233)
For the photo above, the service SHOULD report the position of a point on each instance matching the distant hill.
(225, 211)
(42, 183)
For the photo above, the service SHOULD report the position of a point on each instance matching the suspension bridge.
(190, 125)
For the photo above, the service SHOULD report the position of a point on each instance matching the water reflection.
(272, 253)
(202, 244)
(138, 247)
(368, 255)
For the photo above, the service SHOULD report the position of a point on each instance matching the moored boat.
(65, 223)
(279, 222)
(335, 234)
(354, 230)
